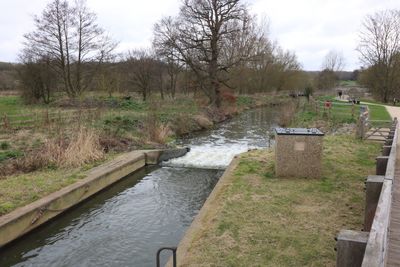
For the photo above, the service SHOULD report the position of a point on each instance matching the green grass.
(10, 154)
(378, 112)
(244, 100)
(338, 114)
(14, 105)
(262, 220)
(23, 189)
(10, 104)
(348, 83)
(4, 145)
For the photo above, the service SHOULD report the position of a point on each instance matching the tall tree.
(379, 50)
(198, 34)
(167, 53)
(332, 64)
(75, 43)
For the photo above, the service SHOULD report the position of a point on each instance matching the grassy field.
(343, 112)
(338, 114)
(262, 220)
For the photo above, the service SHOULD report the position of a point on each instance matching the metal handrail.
(173, 249)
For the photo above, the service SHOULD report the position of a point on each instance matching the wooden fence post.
(350, 247)
(373, 188)
(6, 122)
(360, 127)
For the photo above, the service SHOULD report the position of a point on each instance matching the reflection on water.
(123, 227)
(127, 223)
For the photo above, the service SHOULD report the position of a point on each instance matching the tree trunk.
(144, 94)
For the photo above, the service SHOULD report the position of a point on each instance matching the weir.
(152, 208)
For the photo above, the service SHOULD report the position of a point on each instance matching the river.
(128, 222)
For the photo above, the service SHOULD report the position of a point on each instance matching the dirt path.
(393, 111)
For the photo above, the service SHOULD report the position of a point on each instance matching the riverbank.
(26, 186)
(23, 220)
(257, 219)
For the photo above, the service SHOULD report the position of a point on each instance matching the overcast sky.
(310, 28)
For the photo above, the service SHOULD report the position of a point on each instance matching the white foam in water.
(208, 156)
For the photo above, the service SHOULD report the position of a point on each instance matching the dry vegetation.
(42, 157)
(81, 147)
(287, 113)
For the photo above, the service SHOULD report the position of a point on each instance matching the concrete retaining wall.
(200, 220)
(25, 219)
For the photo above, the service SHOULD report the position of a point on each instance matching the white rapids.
(208, 156)
(215, 149)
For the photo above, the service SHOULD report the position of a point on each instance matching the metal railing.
(173, 249)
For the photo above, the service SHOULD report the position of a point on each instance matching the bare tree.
(142, 70)
(109, 78)
(379, 50)
(333, 61)
(76, 45)
(199, 34)
(332, 64)
(167, 53)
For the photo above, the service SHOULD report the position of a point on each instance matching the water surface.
(128, 222)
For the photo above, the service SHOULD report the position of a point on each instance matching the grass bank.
(34, 160)
(262, 220)
(23, 189)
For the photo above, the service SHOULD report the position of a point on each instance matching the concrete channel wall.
(25, 219)
(202, 218)
(368, 248)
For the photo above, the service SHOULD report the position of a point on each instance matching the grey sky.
(308, 27)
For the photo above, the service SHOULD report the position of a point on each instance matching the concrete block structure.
(298, 152)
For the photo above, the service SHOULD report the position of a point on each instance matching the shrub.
(132, 105)
(114, 126)
(10, 155)
(4, 145)
(244, 100)
(155, 130)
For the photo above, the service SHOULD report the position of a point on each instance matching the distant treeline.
(212, 49)
(8, 76)
(149, 76)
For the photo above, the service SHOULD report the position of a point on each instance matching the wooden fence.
(377, 245)
(369, 248)
(47, 118)
(331, 109)
(376, 130)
